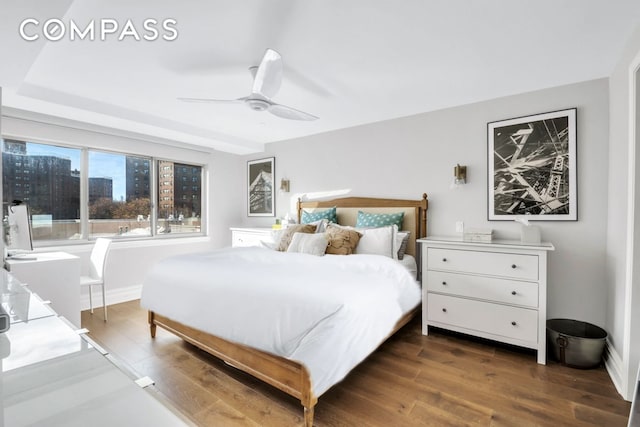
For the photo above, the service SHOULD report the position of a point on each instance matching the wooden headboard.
(415, 212)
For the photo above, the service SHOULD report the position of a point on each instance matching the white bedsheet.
(327, 312)
(409, 262)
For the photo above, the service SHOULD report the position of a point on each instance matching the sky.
(106, 165)
(101, 165)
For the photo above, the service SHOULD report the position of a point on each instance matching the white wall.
(623, 287)
(130, 260)
(406, 157)
(227, 196)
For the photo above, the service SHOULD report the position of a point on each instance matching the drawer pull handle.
(444, 283)
(513, 292)
(513, 266)
(444, 310)
(513, 323)
(444, 260)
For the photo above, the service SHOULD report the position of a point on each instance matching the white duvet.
(327, 312)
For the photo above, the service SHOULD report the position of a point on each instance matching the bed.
(293, 363)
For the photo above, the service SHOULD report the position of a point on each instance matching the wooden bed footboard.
(287, 375)
(284, 374)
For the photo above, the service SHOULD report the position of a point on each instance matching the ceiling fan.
(267, 78)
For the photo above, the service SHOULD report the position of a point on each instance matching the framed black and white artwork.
(532, 167)
(260, 178)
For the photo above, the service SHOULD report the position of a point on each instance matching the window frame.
(153, 189)
(151, 204)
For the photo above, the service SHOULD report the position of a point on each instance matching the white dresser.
(241, 236)
(494, 290)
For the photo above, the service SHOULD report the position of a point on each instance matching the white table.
(54, 276)
(52, 375)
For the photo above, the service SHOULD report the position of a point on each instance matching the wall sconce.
(284, 185)
(459, 176)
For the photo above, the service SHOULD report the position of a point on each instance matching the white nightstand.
(495, 290)
(241, 236)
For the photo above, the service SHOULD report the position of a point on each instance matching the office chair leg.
(90, 299)
(104, 303)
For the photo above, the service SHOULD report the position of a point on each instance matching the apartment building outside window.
(121, 190)
(179, 212)
(119, 195)
(47, 178)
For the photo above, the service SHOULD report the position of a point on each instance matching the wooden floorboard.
(443, 379)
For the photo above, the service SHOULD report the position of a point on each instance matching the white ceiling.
(348, 62)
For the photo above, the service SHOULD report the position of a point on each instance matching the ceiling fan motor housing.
(258, 104)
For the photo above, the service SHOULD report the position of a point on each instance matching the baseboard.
(113, 296)
(615, 368)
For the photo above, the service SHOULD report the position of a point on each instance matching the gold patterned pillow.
(287, 234)
(341, 241)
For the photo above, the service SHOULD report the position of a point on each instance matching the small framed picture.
(260, 179)
(532, 167)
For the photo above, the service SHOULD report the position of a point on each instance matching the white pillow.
(398, 242)
(321, 225)
(312, 244)
(378, 241)
(385, 240)
(268, 245)
(276, 235)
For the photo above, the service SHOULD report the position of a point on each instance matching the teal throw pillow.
(328, 214)
(366, 219)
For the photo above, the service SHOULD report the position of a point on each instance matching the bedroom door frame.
(631, 346)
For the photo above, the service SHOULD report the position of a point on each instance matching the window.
(119, 197)
(54, 197)
(117, 205)
(180, 211)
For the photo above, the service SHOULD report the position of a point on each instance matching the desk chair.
(96, 271)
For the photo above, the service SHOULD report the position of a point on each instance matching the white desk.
(52, 376)
(54, 276)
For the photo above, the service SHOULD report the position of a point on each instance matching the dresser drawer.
(486, 288)
(514, 266)
(240, 238)
(497, 319)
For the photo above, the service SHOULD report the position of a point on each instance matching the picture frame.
(260, 187)
(532, 167)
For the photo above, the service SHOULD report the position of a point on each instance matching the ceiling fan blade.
(269, 74)
(214, 101)
(290, 113)
(253, 70)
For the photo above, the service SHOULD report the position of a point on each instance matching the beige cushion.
(287, 234)
(341, 241)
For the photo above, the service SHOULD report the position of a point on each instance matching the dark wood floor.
(442, 379)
